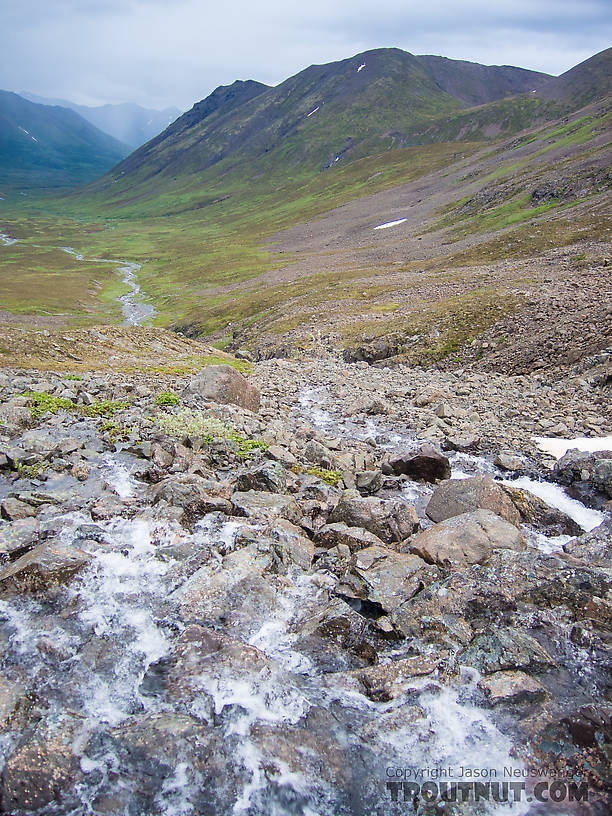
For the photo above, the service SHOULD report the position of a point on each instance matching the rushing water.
(288, 735)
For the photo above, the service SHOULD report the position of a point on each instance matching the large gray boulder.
(457, 496)
(391, 520)
(223, 384)
(466, 539)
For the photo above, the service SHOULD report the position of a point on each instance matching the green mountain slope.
(130, 124)
(326, 116)
(476, 84)
(43, 146)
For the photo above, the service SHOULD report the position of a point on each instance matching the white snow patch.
(391, 223)
(361, 67)
(313, 111)
(557, 446)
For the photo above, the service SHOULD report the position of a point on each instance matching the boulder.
(42, 767)
(355, 538)
(511, 687)
(457, 496)
(223, 384)
(466, 539)
(13, 509)
(368, 482)
(389, 519)
(261, 503)
(425, 463)
(46, 565)
(594, 469)
(270, 476)
(506, 649)
(388, 578)
(18, 536)
(594, 549)
(292, 545)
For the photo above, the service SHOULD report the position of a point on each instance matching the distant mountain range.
(45, 147)
(128, 123)
(331, 114)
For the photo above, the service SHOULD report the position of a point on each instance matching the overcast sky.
(175, 52)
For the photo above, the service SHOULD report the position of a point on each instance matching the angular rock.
(506, 649)
(510, 687)
(280, 454)
(389, 578)
(223, 384)
(19, 535)
(355, 538)
(368, 482)
(423, 464)
(466, 539)
(457, 496)
(389, 519)
(14, 510)
(292, 545)
(262, 503)
(594, 549)
(270, 476)
(48, 564)
(41, 768)
(319, 455)
(387, 681)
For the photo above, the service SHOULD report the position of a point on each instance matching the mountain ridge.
(127, 122)
(50, 146)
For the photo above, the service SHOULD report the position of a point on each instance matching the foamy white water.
(555, 496)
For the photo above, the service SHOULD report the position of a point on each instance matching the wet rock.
(292, 546)
(355, 538)
(13, 509)
(41, 769)
(510, 687)
(189, 492)
(578, 747)
(335, 637)
(223, 384)
(236, 595)
(19, 536)
(387, 681)
(466, 539)
(368, 482)
(388, 578)
(594, 549)
(507, 460)
(389, 519)
(546, 519)
(457, 496)
(265, 504)
(506, 649)
(270, 476)
(51, 563)
(423, 464)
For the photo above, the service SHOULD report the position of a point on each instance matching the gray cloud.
(164, 52)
